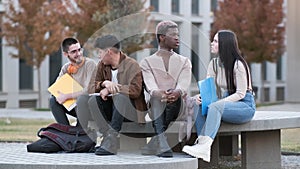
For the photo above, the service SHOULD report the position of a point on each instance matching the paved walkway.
(15, 156)
(16, 153)
(25, 113)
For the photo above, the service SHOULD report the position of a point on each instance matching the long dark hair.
(229, 53)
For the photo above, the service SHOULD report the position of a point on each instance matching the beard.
(74, 61)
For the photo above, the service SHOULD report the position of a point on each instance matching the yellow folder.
(65, 84)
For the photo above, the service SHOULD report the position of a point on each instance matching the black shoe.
(100, 151)
(164, 149)
(166, 154)
(109, 144)
(151, 147)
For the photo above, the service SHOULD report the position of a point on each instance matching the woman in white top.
(236, 102)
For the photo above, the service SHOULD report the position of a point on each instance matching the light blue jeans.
(230, 112)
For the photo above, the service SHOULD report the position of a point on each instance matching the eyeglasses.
(76, 50)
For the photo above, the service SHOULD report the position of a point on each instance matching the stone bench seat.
(263, 120)
(260, 138)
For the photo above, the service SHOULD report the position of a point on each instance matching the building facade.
(293, 51)
(18, 82)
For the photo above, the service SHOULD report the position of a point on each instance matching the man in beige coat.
(167, 76)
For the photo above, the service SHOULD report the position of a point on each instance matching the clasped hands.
(169, 96)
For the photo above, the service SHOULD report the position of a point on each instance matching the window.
(195, 7)
(153, 39)
(279, 69)
(280, 93)
(25, 76)
(264, 70)
(55, 66)
(214, 5)
(155, 5)
(266, 94)
(154, 45)
(1, 80)
(195, 51)
(195, 64)
(175, 6)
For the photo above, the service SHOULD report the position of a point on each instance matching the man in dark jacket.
(119, 85)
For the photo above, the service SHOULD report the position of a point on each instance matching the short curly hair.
(67, 42)
(162, 28)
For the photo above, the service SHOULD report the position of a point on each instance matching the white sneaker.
(201, 149)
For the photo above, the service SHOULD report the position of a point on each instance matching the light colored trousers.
(230, 112)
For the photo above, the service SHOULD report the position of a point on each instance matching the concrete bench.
(260, 138)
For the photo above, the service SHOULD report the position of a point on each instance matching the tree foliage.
(93, 17)
(259, 26)
(81, 20)
(35, 28)
(32, 27)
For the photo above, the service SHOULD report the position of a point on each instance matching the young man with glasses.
(82, 69)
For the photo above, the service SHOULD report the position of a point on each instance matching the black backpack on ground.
(58, 137)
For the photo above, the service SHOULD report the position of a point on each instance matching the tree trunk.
(262, 83)
(39, 88)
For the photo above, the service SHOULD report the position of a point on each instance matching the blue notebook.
(208, 93)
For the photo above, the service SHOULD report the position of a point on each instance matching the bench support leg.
(131, 143)
(261, 149)
(229, 145)
(214, 159)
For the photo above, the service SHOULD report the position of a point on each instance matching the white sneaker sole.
(190, 151)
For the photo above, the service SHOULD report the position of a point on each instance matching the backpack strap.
(67, 129)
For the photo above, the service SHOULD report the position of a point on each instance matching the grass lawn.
(21, 130)
(290, 140)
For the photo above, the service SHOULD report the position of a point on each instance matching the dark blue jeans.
(163, 113)
(60, 112)
(106, 113)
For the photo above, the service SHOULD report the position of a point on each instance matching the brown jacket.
(130, 78)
